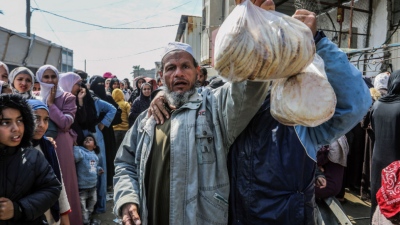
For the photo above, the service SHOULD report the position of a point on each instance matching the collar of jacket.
(7, 151)
(147, 124)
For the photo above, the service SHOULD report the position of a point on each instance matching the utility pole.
(28, 18)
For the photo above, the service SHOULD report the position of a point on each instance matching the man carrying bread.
(176, 172)
(272, 166)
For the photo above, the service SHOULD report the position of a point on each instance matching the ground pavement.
(357, 210)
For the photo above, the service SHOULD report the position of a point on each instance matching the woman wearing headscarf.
(62, 109)
(141, 103)
(105, 111)
(3, 72)
(385, 122)
(136, 92)
(21, 81)
(5, 88)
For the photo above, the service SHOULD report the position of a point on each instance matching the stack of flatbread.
(305, 99)
(263, 50)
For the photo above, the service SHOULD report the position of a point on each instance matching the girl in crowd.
(58, 213)
(105, 114)
(136, 92)
(114, 84)
(28, 185)
(21, 81)
(140, 104)
(62, 109)
(3, 72)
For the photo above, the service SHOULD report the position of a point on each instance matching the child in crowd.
(58, 213)
(87, 170)
(28, 185)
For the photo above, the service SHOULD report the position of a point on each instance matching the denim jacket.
(201, 132)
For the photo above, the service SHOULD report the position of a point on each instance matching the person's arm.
(109, 109)
(353, 97)
(64, 117)
(126, 185)
(44, 194)
(78, 154)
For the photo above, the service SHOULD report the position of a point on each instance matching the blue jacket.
(272, 166)
(86, 167)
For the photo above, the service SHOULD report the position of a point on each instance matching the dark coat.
(27, 179)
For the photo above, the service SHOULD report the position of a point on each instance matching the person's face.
(115, 85)
(160, 83)
(11, 127)
(36, 87)
(146, 90)
(201, 78)
(50, 77)
(140, 82)
(121, 85)
(76, 88)
(107, 84)
(179, 73)
(89, 144)
(23, 82)
(3, 74)
(41, 123)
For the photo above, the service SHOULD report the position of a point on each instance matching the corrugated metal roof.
(288, 6)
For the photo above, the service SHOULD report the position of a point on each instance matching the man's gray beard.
(178, 99)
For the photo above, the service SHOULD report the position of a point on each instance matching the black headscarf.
(393, 94)
(97, 85)
(140, 104)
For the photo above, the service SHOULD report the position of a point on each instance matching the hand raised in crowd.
(81, 95)
(308, 18)
(320, 182)
(52, 96)
(6, 209)
(130, 214)
(264, 4)
(158, 109)
(52, 141)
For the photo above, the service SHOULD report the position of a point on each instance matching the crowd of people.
(187, 149)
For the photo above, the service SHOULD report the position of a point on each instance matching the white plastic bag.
(259, 44)
(305, 99)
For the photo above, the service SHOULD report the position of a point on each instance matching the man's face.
(179, 72)
(201, 78)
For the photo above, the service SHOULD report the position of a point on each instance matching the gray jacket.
(202, 131)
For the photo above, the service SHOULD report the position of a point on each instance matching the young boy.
(87, 170)
(28, 186)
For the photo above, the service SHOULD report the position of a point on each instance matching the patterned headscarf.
(14, 73)
(388, 196)
(68, 80)
(46, 88)
(381, 81)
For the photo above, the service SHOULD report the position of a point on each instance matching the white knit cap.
(173, 46)
(381, 81)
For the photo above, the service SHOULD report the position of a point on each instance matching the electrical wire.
(49, 25)
(120, 57)
(105, 27)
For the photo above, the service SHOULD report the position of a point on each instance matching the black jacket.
(27, 179)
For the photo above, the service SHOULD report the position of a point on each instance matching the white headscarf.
(381, 81)
(5, 67)
(338, 151)
(14, 73)
(46, 88)
(68, 80)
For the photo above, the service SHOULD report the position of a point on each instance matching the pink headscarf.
(46, 88)
(68, 80)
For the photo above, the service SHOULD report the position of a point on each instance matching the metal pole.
(28, 18)
(351, 24)
(85, 65)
